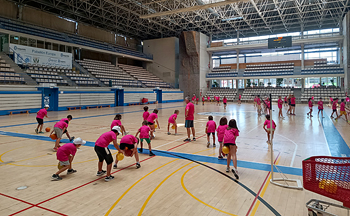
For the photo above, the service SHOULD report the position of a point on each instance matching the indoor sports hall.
(167, 107)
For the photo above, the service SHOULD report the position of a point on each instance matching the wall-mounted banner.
(44, 57)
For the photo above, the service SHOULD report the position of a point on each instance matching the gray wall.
(346, 51)
(165, 53)
(204, 60)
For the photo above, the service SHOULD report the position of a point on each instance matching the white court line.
(255, 128)
(295, 150)
(170, 142)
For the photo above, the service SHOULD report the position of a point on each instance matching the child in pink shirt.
(144, 135)
(218, 100)
(258, 103)
(225, 102)
(267, 124)
(220, 133)
(210, 129)
(280, 104)
(197, 100)
(229, 140)
(40, 119)
(146, 113)
(151, 120)
(310, 107)
(342, 110)
(172, 120)
(239, 99)
(58, 128)
(203, 99)
(65, 156)
(208, 98)
(334, 107)
(129, 142)
(320, 107)
(117, 122)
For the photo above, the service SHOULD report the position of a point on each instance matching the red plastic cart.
(330, 177)
(144, 100)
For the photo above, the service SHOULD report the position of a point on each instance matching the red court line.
(32, 205)
(37, 205)
(257, 194)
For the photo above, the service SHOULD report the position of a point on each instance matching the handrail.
(18, 56)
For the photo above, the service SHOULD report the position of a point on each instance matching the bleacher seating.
(107, 72)
(230, 94)
(21, 27)
(250, 93)
(82, 79)
(281, 69)
(222, 71)
(321, 67)
(42, 74)
(323, 92)
(7, 74)
(143, 75)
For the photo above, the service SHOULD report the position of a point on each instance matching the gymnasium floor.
(165, 184)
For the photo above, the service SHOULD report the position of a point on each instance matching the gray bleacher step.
(133, 77)
(69, 81)
(27, 79)
(84, 71)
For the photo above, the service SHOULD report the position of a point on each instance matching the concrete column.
(237, 59)
(302, 56)
(245, 83)
(302, 85)
(302, 31)
(320, 80)
(237, 37)
(236, 84)
(340, 54)
(210, 40)
(211, 61)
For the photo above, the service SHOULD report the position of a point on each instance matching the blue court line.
(201, 158)
(84, 117)
(336, 143)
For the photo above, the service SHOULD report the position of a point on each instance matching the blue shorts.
(189, 124)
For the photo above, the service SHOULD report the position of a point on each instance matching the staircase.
(84, 71)
(27, 79)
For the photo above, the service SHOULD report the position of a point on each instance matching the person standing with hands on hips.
(189, 117)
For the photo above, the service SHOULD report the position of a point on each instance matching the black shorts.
(123, 145)
(285, 102)
(224, 103)
(293, 105)
(40, 121)
(65, 131)
(150, 123)
(211, 133)
(189, 124)
(229, 144)
(320, 109)
(335, 110)
(104, 154)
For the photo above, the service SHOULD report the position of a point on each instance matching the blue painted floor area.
(200, 158)
(336, 143)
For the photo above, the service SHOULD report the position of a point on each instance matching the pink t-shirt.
(128, 139)
(267, 123)
(197, 99)
(151, 117)
(255, 99)
(285, 99)
(268, 103)
(116, 123)
(342, 106)
(280, 102)
(218, 98)
(224, 100)
(230, 136)
(61, 124)
(193, 98)
(64, 151)
(292, 100)
(203, 98)
(258, 102)
(240, 96)
(221, 132)
(190, 110)
(65, 119)
(310, 104)
(145, 115)
(331, 99)
(171, 118)
(211, 125)
(208, 98)
(334, 106)
(144, 131)
(320, 104)
(105, 139)
(41, 114)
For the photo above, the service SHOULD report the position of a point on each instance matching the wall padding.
(20, 101)
(136, 97)
(84, 99)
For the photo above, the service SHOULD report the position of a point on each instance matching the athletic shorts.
(342, 112)
(58, 132)
(285, 102)
(211, 133)
(150, 123)
(64, 163)
(268, 129)
(224, 103)
(65, 131)
(293, 105)
(104, 154)
(124, 145)
(189, 124)
(335, 110)
(320, 109)
(146, 139)
(40, 121)
(229, 144)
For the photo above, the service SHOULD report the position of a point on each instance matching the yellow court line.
(184, 187)
(122, 196)
(263, 192)
(6, 153)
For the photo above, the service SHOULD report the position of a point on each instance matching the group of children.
(334, 105)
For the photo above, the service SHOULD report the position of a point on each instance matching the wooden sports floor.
(165, 184)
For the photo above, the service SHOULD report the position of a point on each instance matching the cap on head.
(116, 128)
(46, 106)
(79, 141)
